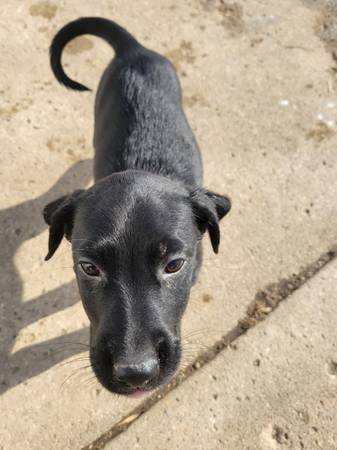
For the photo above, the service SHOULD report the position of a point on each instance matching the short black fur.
(146, 209)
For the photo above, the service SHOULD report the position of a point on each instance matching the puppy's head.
(135, 239)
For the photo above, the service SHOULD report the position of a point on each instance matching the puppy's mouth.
(137, 394)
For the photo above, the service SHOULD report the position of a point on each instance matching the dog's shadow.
(18, 224)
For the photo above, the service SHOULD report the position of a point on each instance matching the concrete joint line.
(264, 303)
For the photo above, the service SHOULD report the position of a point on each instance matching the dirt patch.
(185, 53)
(266, 300)
(332, 368)
(326, 27)
(209, 5)
(7, 112)
(79, 45)
(74, 149)
(52, 144)
(207, 298)
(232, 18)
(256, 41)
(263, 304)
(326, 23)
(320, 133)
(44, 9)
(280, 435)
(195, 99)
(231, 15)
(43, 29)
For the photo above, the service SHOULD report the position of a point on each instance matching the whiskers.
(78, 372)
(70, 346)
(74, 360)
(81, 375)
(195, 346)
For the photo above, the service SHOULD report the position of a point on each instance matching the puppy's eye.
(90, 269)
(175, 265)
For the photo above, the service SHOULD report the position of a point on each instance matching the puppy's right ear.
(209, 208)
(59, 215)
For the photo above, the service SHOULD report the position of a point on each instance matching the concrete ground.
(260, 368)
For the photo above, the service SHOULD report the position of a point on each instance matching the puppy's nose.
(136, 374)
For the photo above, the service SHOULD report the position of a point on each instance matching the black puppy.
(136, 234)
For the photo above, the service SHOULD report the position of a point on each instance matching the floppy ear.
(59, 215)
(209, 208)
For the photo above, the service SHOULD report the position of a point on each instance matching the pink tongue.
(137, 394)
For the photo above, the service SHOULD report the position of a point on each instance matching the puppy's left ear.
(209, 208)
(59, 215)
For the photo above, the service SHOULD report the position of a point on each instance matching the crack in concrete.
(264, 303)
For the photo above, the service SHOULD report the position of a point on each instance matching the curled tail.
(106, 29)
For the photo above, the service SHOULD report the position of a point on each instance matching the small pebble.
(284, 102)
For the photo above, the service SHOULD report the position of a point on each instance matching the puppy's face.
(135, 240)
